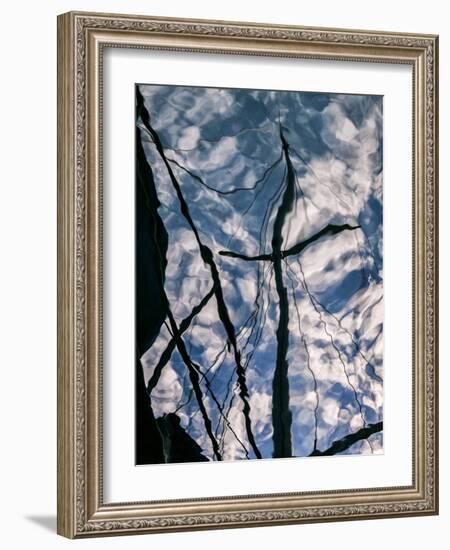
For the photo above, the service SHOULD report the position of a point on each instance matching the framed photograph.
(247, 274)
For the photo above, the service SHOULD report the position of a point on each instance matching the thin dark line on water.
(250, 205)
(230, 191)
(220, 408)
(167, 353)
(256, 340)
(308, 357)
(335, 347)
(354, 342)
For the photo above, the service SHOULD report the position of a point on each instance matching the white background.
(28, 272)
(123, 482)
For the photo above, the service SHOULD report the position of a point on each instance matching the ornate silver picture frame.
(83, 510)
